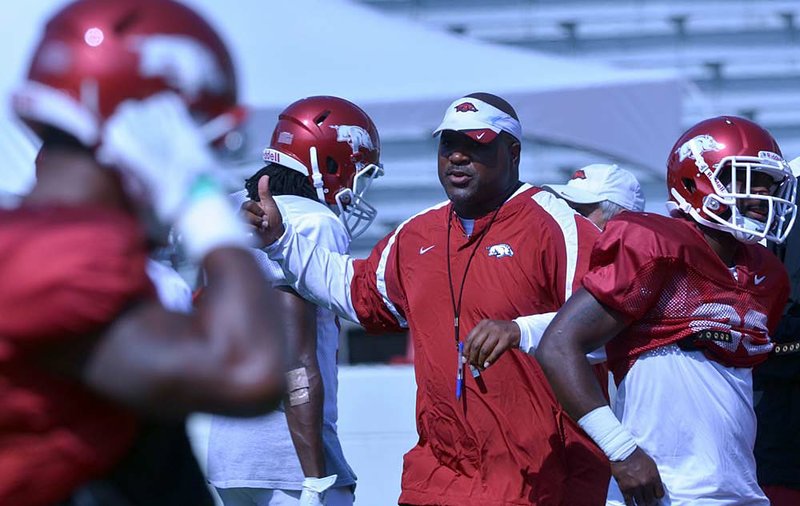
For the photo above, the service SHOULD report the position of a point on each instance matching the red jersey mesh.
(666, 284)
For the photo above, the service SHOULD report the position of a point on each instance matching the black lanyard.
(457, 304)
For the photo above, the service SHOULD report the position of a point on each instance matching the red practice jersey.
(662, 275)
(67, 273)
(506, 441)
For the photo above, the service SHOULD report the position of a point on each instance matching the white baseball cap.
(598, 182)
(479, 120)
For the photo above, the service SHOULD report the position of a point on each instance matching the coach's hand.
(490, 339)
(638, 479)
(264, 216)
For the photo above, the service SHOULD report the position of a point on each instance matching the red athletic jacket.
(506, 441)
(66, 273)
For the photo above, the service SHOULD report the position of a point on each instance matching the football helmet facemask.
(728, 173)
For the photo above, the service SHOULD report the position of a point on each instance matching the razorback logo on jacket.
(500, 250)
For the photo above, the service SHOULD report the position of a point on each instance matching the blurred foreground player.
(89, 358)
(686, 306)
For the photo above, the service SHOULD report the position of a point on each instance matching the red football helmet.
(712, 171)
(96, 54)
(335, 144)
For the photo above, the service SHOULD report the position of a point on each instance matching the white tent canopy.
(404, 75)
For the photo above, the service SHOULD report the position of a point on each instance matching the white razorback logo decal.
(182, 62)
(354, 135)
(769, 155)
(702, 143)
(500, 250)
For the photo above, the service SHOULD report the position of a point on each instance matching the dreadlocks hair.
(282, 181)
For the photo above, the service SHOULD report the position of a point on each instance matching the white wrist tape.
(208, 222)
(604, 428)
(319, 485)
(313, 490)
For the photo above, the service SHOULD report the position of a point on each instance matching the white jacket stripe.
(564, 216)
(380, 273)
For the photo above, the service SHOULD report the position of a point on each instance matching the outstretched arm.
(582, 325)
(316, 273)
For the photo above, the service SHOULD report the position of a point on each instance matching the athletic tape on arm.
(297, 386)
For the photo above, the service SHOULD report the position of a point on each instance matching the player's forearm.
(581, 325)
(318, 274)
(569, 373)
(305, 426)
(305, 396)
(239, 300)
(169, 364)
(571, 377)
(242, 325)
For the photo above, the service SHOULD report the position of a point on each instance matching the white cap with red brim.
(480, 121)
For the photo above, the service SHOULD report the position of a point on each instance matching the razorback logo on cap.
(579, 174)
(466, 107)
